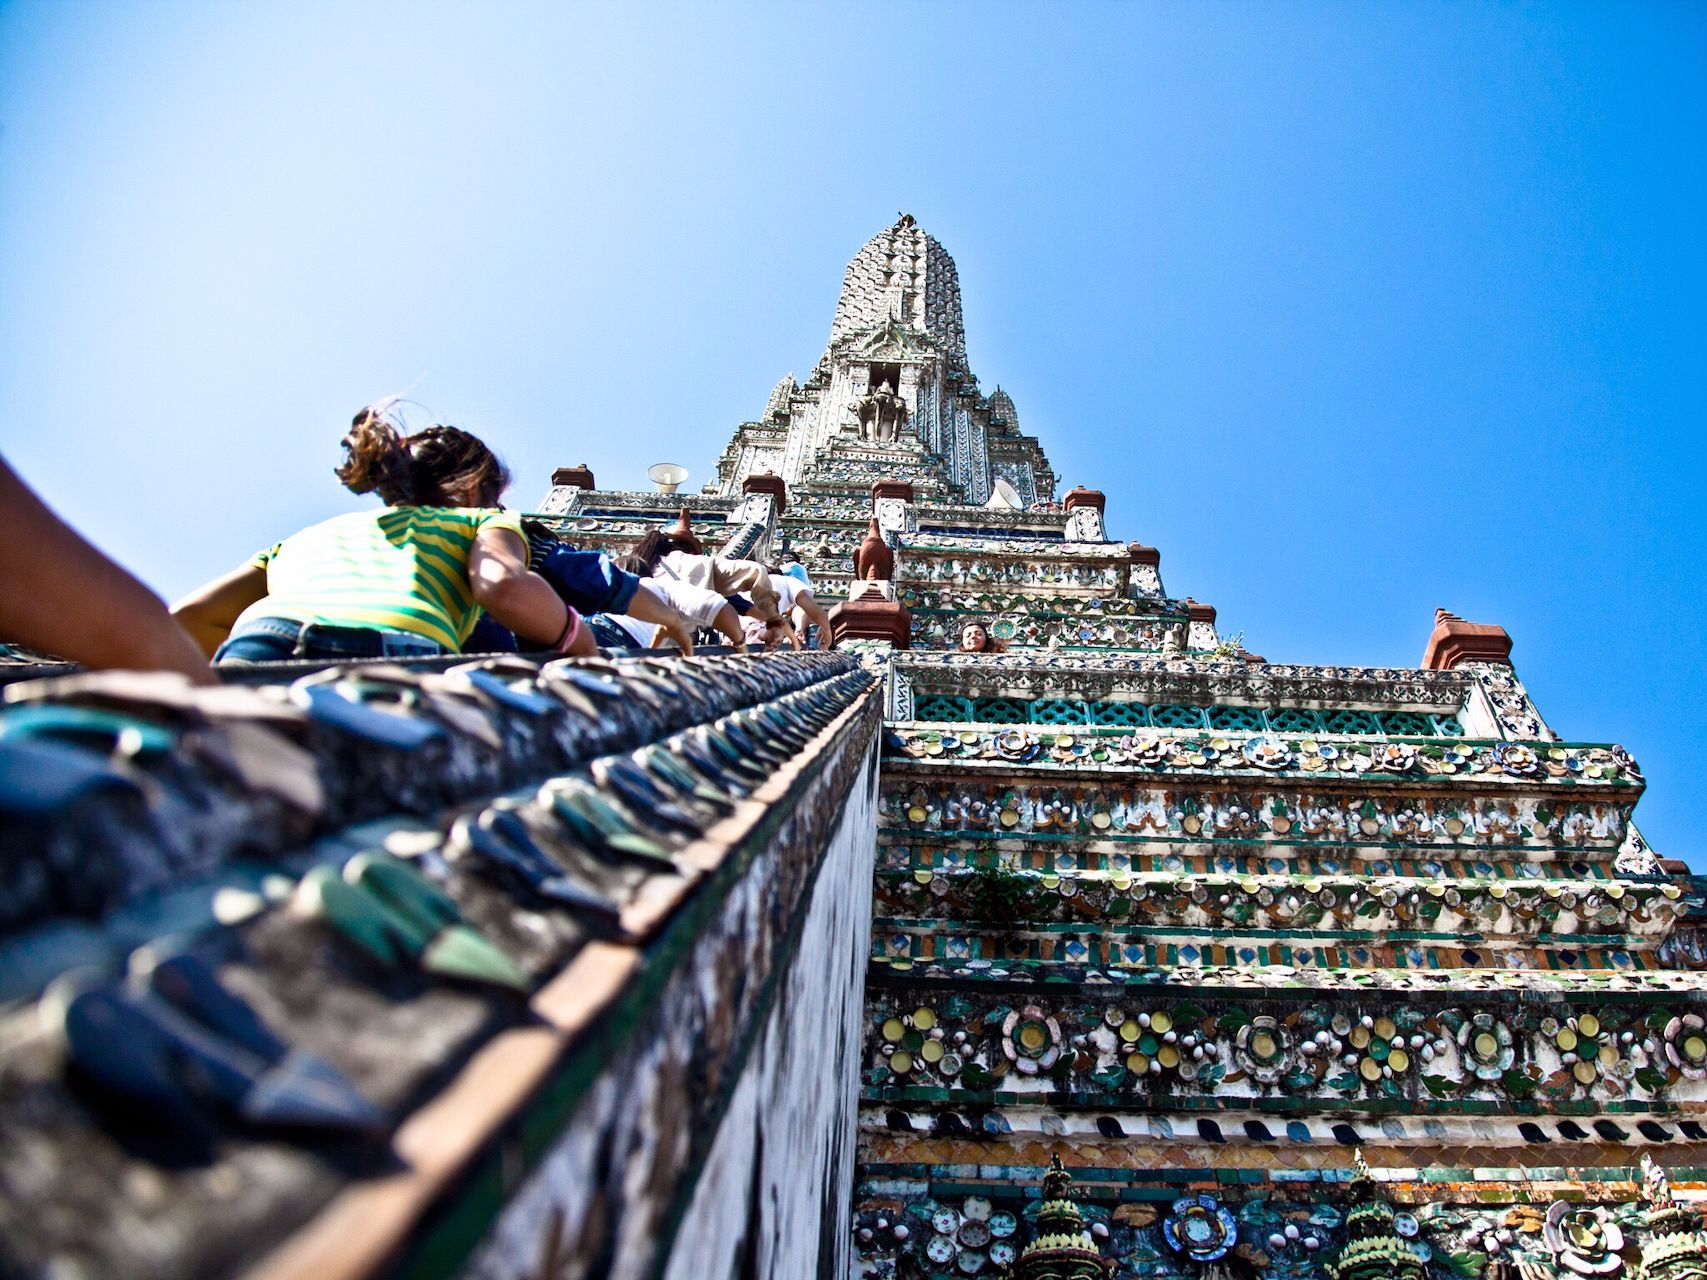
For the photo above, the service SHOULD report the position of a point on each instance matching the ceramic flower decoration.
(1198, 1227)
(1263, 1048)
(1583, 1239)
(1266, 753)
(1031, 1039)
(1485, 1046)
(1685, 1041)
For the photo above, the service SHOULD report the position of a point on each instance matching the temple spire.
(1063, 1248)
(902, 276)
(1675, 1248)
(892, 398)
(1373, 1248)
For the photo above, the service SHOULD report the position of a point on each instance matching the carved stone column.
(1084, 515)
(892, 506)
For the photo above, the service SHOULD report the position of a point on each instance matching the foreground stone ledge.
(676, 992)
(681, 1018)
(208, 778)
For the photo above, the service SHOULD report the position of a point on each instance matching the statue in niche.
(882, 415)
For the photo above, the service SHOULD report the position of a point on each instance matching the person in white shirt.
(677, 554)
(703, 607)
(799, 605)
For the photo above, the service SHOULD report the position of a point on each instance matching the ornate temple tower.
(1195, 925)
(892, 397)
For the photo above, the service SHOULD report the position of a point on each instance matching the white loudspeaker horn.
(666, 475)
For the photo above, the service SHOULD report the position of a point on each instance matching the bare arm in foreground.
(62, 596)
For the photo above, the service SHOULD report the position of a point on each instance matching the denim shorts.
(608, 634)
(280, 639)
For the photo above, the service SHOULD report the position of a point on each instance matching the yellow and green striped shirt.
(398, 569)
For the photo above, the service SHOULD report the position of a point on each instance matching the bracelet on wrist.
(571, 629)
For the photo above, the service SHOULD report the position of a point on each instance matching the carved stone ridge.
(1187, 680)
(664, 504)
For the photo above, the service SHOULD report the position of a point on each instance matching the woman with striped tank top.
(407, 580)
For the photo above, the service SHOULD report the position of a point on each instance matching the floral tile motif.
(1147, 1047)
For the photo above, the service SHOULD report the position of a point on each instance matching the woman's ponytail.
(436, 467)
(377, 460)
(651, 549)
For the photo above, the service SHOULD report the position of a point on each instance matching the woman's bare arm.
(648, 606)
(518, 598)
(208, 612)
(62, 596)
(728, 622)
(808, 604)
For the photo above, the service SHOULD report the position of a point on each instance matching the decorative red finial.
(771, 483)
(892, 489)
(873, 558)
(1079, 496)
(580, 477)
(1455, 641)
(682, 531)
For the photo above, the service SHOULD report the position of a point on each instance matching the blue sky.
(1354, 310)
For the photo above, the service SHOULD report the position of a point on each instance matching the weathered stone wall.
(724, 1144)
(775, 1196)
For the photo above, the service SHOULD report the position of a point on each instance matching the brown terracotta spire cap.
(683, 531)
(1455, 642)
(892, 489)
(1079, 496)
(573, 477)
(872, 620)
(1144, 555)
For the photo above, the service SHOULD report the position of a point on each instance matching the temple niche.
(881, 416)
